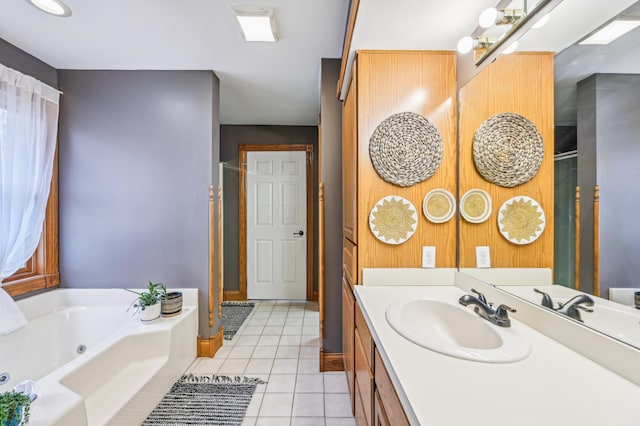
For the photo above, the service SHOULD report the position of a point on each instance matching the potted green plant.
(148, 302)
(171, 302)
(14, 408)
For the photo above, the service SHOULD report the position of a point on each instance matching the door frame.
(243, 150)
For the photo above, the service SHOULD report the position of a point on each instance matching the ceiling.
(260, 83)
(275, 83)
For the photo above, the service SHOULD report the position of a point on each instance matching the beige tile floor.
(279, 343)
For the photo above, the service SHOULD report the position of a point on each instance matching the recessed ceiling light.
(257, 23)
(610, 32)
(54, 7)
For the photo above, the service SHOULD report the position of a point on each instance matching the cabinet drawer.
(350, 261)
(365, 336)
(364, 378)
(390, 402)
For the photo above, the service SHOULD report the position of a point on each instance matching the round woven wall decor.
(406, 149)
(508, 150)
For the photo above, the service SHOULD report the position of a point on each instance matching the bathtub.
(94, 362)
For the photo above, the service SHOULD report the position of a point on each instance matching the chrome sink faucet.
(571, 307)
(498, 317)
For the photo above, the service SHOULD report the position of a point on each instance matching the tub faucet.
(572, 307)
(498, 317)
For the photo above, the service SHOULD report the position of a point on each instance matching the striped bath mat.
(205, 400)
(233, 315)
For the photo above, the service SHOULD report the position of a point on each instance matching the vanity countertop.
(552, 386)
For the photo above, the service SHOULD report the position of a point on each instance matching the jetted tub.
(94, 362)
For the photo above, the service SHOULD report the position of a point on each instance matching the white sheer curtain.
(28, 129)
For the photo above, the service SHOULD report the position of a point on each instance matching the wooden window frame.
(42, 269)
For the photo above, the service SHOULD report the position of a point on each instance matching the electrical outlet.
(483, 257)
(428, 257)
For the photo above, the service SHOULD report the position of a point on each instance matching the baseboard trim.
(331, 361)
(233, 295)
(208, 348)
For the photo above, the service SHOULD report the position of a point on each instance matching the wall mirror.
(597, 129)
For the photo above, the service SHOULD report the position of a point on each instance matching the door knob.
(299, 233)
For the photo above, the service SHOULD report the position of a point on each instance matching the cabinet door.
(349, 166)
(364, 378)
(348, 325)
(379, 416)
(388, 397)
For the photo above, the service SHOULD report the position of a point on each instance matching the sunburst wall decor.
(521, 220)
(393, 220)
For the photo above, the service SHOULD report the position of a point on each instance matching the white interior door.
(276, 225)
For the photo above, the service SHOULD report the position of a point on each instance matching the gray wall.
(19, 60)
(331, 173)
(608, 153)
(136, 151)
(230, 137)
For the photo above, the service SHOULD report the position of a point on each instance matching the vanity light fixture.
(53, 7)
(508, 25)
(257, 23)
(611, 31)
(492, 16)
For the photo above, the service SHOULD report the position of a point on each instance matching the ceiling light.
(610, 32)
(54, 7)
(257, 23)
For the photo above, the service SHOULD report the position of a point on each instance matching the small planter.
(149, 313)
(172, 305)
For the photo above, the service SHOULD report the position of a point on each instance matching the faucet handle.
(502, 311)
(547, 302)
(480, 295)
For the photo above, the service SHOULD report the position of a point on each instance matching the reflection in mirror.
(597, 128)
(535, 286)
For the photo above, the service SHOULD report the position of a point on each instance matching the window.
(42, 269)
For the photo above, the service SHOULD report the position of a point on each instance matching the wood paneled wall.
(523, 84)
(390, 82)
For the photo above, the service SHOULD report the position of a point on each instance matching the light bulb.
(488, 17)
(465, 45)
(512, 48)
(541, 22)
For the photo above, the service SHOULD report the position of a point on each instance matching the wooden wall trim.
(596, 241)
(242, 199)
(576, 268)
(220, 249)
(211, 255)
(232, 295)
(330, 361)
(351, 23)
(242, 222)
(208, 348)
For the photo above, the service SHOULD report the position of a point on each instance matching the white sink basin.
(456, 331)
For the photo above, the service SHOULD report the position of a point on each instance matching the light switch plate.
(483, 257)
(428, 257)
